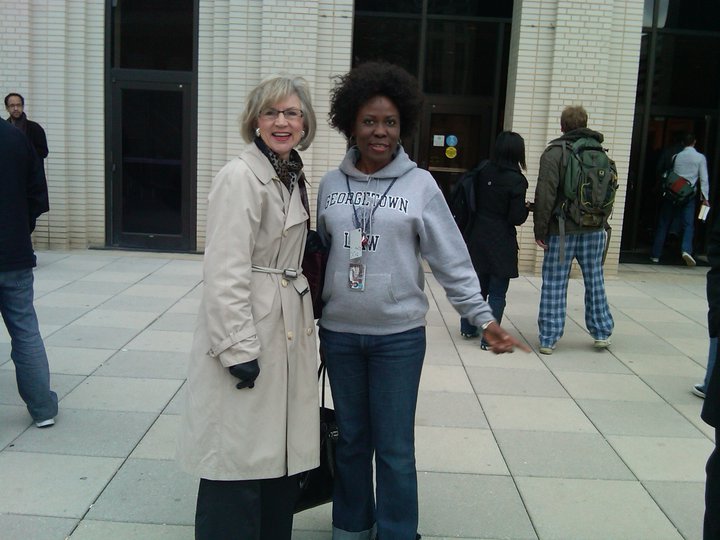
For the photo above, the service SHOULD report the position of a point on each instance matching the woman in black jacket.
(500, 189)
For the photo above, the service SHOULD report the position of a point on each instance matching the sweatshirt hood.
(400, 165)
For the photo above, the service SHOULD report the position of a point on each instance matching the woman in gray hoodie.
(381, 215)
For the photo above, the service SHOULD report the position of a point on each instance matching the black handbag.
(316, 485)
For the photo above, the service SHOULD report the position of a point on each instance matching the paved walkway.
(578, 445)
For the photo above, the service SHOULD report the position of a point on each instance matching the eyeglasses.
(290, 114)
(15, 106)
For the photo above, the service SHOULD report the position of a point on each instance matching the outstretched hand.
(500, 341)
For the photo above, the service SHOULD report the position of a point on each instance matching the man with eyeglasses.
(15, 106)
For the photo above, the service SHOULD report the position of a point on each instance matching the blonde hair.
(573, 117)
(271, 90)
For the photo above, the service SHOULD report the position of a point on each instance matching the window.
(153, 34)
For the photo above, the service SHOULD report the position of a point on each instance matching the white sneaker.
(45, 423)
(602, 343)
(547, 350)
(654, 260)
(688, 258)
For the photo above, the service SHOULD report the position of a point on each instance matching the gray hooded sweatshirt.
(410, 222)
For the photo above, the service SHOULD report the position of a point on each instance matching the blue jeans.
(494, 290)
(669, 212)
(374, 382)
(27, 349)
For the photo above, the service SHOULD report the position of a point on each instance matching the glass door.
(454, 137)
(152, 201)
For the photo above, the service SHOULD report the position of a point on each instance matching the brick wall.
(52, 54)
(573, 52)
(241, 42)
(54, 57)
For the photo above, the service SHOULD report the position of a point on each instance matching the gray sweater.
(412, 222)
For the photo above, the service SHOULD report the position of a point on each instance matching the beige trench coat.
(272, 429)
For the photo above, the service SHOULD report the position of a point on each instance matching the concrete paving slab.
(177, 402)
(449, 409)
(83, 432)
(122, 394)
(145, 364)
(663, 458)
(87, 286)
(98, 530)
(471, 506)
(458, 450)
(21, 527)
(52, 484)
(91, 337)
(488, 359)
(160, 441)
(514, 382)
(116, 319)
(444, 379)
(638, 419)
(76, 360)
(162, 340)
(148, 491)
(61, 384)
(593, 510)
(179, 322)
(682, 502)
(613, 386)
(72, 300)
(59, 315)
(560, 455)
(652, 364)
(14, 419)
(535, 414)
(584, 361)
(139, 303)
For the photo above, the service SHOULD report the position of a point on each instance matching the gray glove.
(247, 373)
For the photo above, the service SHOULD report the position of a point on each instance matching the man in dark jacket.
(586, 244)
(15, 106)
(23, 197)
(711, 407)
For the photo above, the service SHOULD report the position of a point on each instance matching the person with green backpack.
(574, 198)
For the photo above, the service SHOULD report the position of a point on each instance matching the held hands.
(247, 373)
(500, 341)
(542, 244)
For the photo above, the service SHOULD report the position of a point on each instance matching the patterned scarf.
(289, 171)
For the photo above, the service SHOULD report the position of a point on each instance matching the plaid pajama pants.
(588, 250)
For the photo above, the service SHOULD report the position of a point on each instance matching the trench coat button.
(284, 283)
(309, 331)
(290, 336)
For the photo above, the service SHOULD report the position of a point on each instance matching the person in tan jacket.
(251, 421)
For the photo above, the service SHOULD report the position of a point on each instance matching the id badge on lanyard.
(356, 271)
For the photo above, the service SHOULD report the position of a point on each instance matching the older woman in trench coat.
(250, 423)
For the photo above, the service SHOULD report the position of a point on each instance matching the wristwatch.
(485, 325)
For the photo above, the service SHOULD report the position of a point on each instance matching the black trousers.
(711, 526)
(246, 509)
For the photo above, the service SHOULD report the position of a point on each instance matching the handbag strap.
(321, 373)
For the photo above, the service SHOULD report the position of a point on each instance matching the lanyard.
(356, 220)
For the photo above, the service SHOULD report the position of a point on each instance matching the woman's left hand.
(500, 341)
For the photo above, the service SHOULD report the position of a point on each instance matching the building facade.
(140, 99)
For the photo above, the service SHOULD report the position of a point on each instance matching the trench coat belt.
(287, 273)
